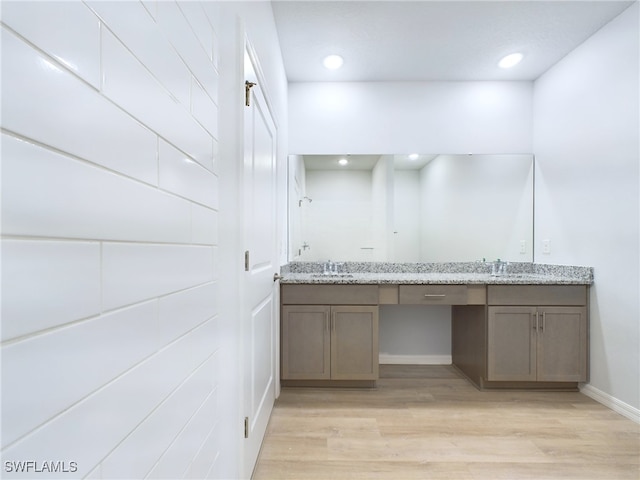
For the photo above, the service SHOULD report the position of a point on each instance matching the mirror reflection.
(411, 208)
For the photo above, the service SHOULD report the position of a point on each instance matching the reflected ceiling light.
(510, 60)
(343, 161)
(413, 156)
(333, 62)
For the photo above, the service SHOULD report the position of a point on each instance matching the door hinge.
(246, 427)
(246, 261)
(247, 92)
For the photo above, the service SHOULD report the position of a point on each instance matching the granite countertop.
(352, 273)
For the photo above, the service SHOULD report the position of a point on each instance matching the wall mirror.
(411, 208)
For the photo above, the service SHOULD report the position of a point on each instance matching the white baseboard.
(388, 359)
(613, 403)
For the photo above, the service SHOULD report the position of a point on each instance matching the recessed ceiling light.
(413, 156)
(333, 62)
(343, 161)
(510, 60)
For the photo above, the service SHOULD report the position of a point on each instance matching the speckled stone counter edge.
(449, 272)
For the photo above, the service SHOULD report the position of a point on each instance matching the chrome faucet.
(498, 268)
(328, 267)
(331, 268)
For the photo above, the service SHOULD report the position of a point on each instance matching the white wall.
(405, 117)
(415, 335)
(406, 209)
(297, 206)
(586, 140)
(338, 224)
(120, 347)
(476, 206)
(382, 196)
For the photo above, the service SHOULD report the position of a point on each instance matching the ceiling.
(330, 162)
(426, 40)
(364, 162)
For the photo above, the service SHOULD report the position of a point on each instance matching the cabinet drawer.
(433, 294)
(537, 295)
(308, 294)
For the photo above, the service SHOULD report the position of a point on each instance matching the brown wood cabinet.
(527, 336)
(547, 344)
(537, 333)
(433, 294)
(321, 342)
(329, 342)
(354, 343)
(306, 342)
(503, 336)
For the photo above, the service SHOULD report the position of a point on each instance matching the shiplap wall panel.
(81, 359)
(146, 445)
(204, 109)
(111, 331)
(180, 312)
(197, 19)
(51, 105)
(182, 37)
(204, 227)
(149, 102)
(131, 23)
(49, 194)
(70, 35)
(203, 464)
(176, 459)
(134, 272)
(52, 283)
(118, 409)
(180, 175)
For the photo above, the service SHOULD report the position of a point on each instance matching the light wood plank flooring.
(427, 422)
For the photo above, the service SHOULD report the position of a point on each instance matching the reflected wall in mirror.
(411, 208)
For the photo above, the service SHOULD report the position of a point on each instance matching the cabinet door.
(354, 343)
(511, 344)
(305, 342)
(562, 344)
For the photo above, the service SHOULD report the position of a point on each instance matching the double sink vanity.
(520, 325)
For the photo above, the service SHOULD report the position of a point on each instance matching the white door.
(259, 317)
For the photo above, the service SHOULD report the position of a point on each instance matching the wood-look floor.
(427, 422)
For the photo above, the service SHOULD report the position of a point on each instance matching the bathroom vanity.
(524, 329)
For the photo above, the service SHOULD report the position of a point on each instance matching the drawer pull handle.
(435, 295)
